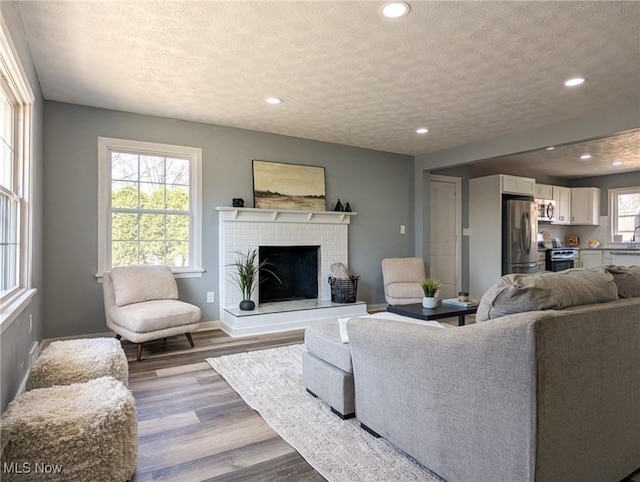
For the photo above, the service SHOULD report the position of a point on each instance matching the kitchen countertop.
(599, 248)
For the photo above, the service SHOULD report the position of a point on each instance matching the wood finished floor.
(193, 426)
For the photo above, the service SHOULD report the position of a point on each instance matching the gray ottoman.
(327, 371)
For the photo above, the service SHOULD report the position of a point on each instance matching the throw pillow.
(627, 279)
(517, 293)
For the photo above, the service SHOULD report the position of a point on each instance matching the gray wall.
(17, 339)
(378, 185)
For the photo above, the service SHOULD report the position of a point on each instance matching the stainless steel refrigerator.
(519, 239)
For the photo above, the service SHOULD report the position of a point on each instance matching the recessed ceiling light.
(422, 130)
(585, 157)
(273, 100)
(617, 163)
(395, 9)
(575, 81)
(550, 148)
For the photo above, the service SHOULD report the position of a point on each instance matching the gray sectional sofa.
(545, 395)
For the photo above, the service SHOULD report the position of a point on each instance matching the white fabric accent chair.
(141, 304)
(402, 278)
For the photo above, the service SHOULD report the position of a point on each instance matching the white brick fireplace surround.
(242, 229)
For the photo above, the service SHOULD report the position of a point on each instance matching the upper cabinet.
(562, 197)
(585, 205)
(544, 191)
(518, 185)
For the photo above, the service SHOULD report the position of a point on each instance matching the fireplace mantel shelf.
(284, 215)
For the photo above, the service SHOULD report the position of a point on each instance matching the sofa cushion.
(517, 293)
(627, 279)
(155, 315)
(134, 284)
(405, 290)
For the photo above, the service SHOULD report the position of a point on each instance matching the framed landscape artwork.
(288, 186)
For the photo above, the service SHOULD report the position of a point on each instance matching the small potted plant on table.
(430, 286)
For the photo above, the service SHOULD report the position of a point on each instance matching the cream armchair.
(141, 304)
(401, 278)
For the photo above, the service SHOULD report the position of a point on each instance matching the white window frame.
(12, 304)
(613, 205)
(194, 154)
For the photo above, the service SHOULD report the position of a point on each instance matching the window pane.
(152, 252)
(124, 195)
(177, 172)
(124, 253)
(178, 253)
(152, 196)
(124, 166)
(177, 227)
(152, 169)
(152, 227)
(124, 227)
(178, 199)
(6, 173)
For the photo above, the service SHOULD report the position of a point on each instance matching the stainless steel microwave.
(546, 209)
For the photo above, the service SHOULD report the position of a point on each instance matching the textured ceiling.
(469, 71)
(564, 161)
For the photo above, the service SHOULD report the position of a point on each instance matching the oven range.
(557, 259)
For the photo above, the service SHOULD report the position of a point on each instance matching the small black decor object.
(347, 208)
(238, 202)
(247, 305)
(339, 206)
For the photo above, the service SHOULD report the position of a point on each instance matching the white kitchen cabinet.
(544, 191)
(541, 261)
(562, 197)
(585, 205)
(518, 185)
(590, 259)
(626, 258)
(608, 257)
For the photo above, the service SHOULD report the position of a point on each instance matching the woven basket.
(344, 290)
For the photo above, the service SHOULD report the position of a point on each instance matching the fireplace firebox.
(297, 269)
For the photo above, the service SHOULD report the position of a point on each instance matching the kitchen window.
(16, 101)
(150, 206)
(624, 208)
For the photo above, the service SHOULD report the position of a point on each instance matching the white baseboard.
(209, 325)
(34, 353)
(377, 308)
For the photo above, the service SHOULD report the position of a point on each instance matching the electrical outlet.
(210, 297)
(403, 229)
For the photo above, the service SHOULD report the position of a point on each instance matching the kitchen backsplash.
(601, 233)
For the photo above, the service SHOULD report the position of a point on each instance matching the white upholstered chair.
(141, 304)
(401, 278)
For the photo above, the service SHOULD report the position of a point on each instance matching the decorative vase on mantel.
(247, 305)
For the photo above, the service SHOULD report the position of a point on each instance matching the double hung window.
(625, 212)
(149, 205)
(16, 101)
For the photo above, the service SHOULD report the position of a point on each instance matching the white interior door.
(443, 234)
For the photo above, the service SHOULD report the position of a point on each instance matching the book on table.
(459, 303)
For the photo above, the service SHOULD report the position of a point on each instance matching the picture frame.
(277, 185)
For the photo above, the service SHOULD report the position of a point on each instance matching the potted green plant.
(246, 275)
(430, 287)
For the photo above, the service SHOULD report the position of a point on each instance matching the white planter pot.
(429, 302)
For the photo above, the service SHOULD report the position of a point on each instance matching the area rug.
(270, 382)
